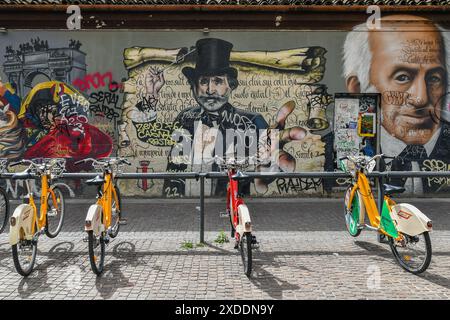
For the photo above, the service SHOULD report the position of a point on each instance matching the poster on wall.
(355, 124)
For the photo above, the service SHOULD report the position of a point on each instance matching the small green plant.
(222, 238)
(187, 245)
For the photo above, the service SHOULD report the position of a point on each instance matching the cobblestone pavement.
(305, 253)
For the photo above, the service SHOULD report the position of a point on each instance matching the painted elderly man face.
(408, 69)
(212, 92)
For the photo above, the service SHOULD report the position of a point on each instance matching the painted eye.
(402, 78)
(434, 79)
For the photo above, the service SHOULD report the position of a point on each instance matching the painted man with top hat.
(212, 82)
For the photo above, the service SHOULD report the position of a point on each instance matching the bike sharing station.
(388, 223)
(357, 146)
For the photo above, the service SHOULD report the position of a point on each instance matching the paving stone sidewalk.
(305, 253)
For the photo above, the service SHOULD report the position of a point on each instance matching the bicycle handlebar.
(104, 161)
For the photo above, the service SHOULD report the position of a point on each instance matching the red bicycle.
(241, 224)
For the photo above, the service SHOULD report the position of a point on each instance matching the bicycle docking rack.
(380, 178)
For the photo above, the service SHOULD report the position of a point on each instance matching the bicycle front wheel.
(24, 256)
(245, 247)
(96, 246)
(4, 209)
(412, 253)
(116, 214)
(55, 213)
(352, 216)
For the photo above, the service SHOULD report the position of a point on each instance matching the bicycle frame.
(105, 201)
(233, 198)
(42, 219)
(370, 206)
(240, 216)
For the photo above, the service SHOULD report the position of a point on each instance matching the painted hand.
(286, 161)
(154, 82)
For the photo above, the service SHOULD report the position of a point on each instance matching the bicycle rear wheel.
(96, 245)
(4, 209)
(245, 247)
(116, 214)
(55, 213)
(412, 253)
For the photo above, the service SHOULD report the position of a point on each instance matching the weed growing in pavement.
(187, 245)
(222, 238)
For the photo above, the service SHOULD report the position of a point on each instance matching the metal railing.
(380, 177)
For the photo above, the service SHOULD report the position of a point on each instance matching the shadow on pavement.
(436, 279)
(112, 277)
(380, 250)
(37, 280)
(268, 282)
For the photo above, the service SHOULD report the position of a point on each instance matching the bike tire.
(426, 261)
(4, 209)
(114, 231)
(97, 263)
(350, 222)
(50, 231)
(245, 248)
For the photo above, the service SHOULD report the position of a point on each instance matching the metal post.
(202, 207)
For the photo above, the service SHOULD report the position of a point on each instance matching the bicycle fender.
(409, 219)
(23, 217)
(93, 219)
(244, 219)
(349, 197)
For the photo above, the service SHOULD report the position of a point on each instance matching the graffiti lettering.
(103, 111)
(97, 80)
(436, 165)
(421, 51)
(286, 185)
(156, 133)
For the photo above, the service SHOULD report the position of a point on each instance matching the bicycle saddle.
(97, 181)
(239, 176)
(390, 189)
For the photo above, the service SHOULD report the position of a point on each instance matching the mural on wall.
(55, 117)
(34, 62)
(52, 118)
(12, 135)
(407, 64)
(215, 90)
(52, 105)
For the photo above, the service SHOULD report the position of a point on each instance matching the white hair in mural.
(357, 55)
(358, 58)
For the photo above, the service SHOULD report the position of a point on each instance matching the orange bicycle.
(104, 218)
(25, 225)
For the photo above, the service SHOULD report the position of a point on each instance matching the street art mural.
(408, 65)
(221, 89)
(50, 118)
(58, 97)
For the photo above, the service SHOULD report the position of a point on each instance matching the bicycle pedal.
(224, 214)
(123, 222)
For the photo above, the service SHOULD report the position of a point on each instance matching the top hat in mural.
(213, 59)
